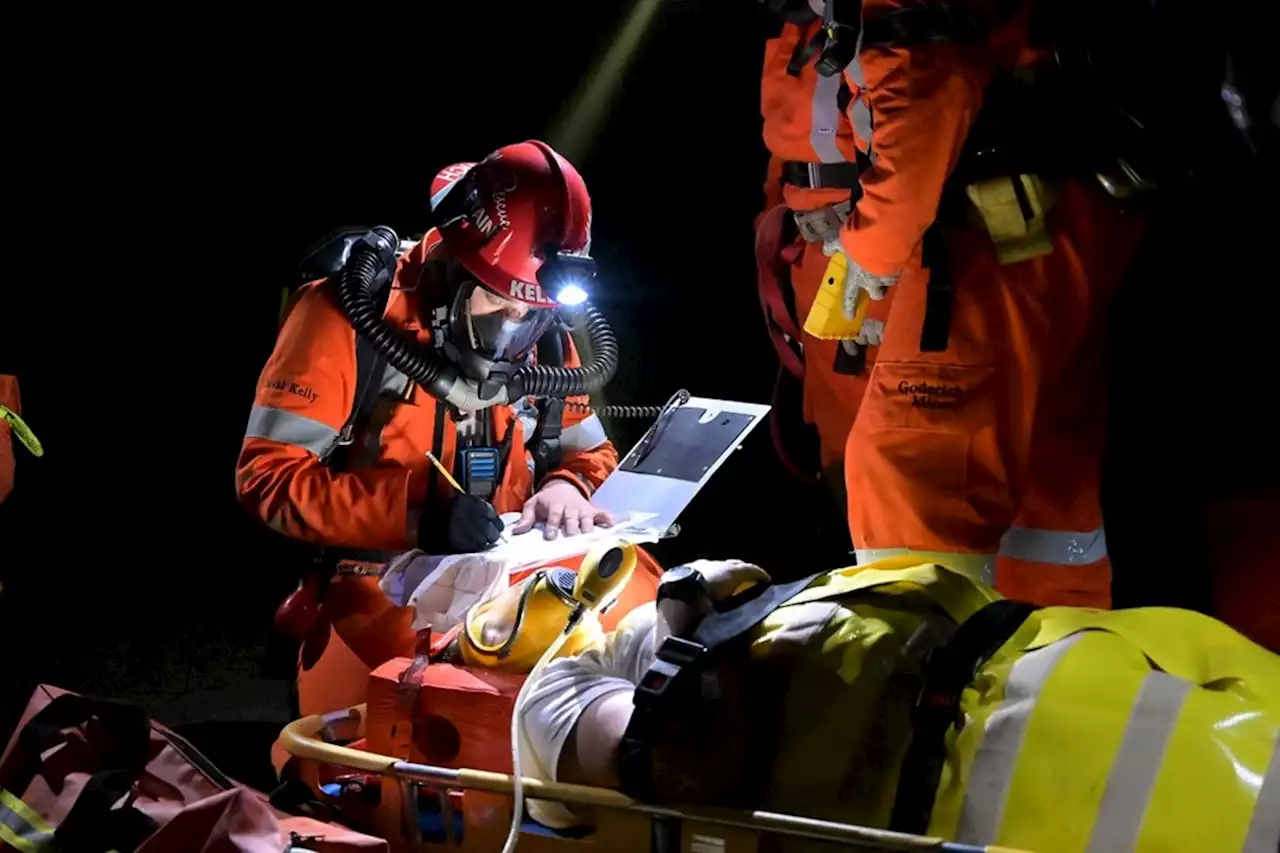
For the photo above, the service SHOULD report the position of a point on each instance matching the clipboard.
(677, 457)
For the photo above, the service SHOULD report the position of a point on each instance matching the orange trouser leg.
(1056, 551)
(831, 399)
(940, 456)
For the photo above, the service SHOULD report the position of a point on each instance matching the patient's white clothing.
(567, 687)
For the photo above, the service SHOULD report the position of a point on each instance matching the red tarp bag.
(85, 774)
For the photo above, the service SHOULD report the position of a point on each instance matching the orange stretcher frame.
(623, 825)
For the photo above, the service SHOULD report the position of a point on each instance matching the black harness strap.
(949, 669)
(674, 675)
(370, 367)
(837, 176)
(805, 52)
(935, 331)
(544, 443)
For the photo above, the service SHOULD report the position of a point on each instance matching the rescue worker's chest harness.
(481, 458)
(481, 461)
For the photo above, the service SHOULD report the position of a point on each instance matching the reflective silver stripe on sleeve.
(825, 120)
(1264, 829)
(394, 383)
(993, 766)
(290, 428)
(1058, 547)
(1137, 763)
(587, 434)
(860, 115)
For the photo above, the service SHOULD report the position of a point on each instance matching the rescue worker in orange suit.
(468, 362)
(979, 439)
(813, 171)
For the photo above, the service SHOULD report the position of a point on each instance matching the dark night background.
(173, 185)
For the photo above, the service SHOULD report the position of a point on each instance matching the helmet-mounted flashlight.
(567, 277)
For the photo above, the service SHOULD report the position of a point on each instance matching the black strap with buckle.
(948, 671)
(673, 680)
(835, 176)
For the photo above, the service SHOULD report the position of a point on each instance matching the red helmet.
(506, 216)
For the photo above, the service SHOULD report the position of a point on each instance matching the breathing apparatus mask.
(489, 337)
(516, 224)
(367, 272)
(551, 608)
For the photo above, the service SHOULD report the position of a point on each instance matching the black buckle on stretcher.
(677, 662)
(674, 659)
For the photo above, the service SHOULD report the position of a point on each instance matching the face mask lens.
(501, 329)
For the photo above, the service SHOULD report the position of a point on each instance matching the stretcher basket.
(623, 825)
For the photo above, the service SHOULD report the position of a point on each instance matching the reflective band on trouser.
(290, 428)
(20, 827)
(587, 434)
(981, 567)
(825, 120)
(1060, 547)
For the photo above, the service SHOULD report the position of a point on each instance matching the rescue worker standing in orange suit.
(813, 171)
(979, 440)
(467, 362)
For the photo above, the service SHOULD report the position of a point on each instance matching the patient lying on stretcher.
(861, 699)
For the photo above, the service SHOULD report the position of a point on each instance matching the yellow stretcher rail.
(303, 739)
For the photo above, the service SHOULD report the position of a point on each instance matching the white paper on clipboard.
(662, 477)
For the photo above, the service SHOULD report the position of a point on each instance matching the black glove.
(467, 524)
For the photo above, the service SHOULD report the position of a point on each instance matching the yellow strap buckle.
(1013, 211)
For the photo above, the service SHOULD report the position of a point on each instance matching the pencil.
(443, 470)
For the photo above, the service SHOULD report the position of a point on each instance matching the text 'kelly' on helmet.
(504, 217)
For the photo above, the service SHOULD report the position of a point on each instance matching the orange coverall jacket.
(989, 451)
(803, 122)
(924, 99)
(9, 398)
(305, 395)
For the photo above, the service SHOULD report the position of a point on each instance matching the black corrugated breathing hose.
(374, 254)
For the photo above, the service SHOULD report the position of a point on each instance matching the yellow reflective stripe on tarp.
(994, 809)
(1213, 769)
(959, 596)
(20, 827)
(981, 567)
(1264, 829)
(1184, 643)
(1104, 752)
(1137, 763)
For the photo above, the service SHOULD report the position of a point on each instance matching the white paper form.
(441, 589)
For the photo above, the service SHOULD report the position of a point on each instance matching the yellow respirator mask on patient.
(513, 630)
